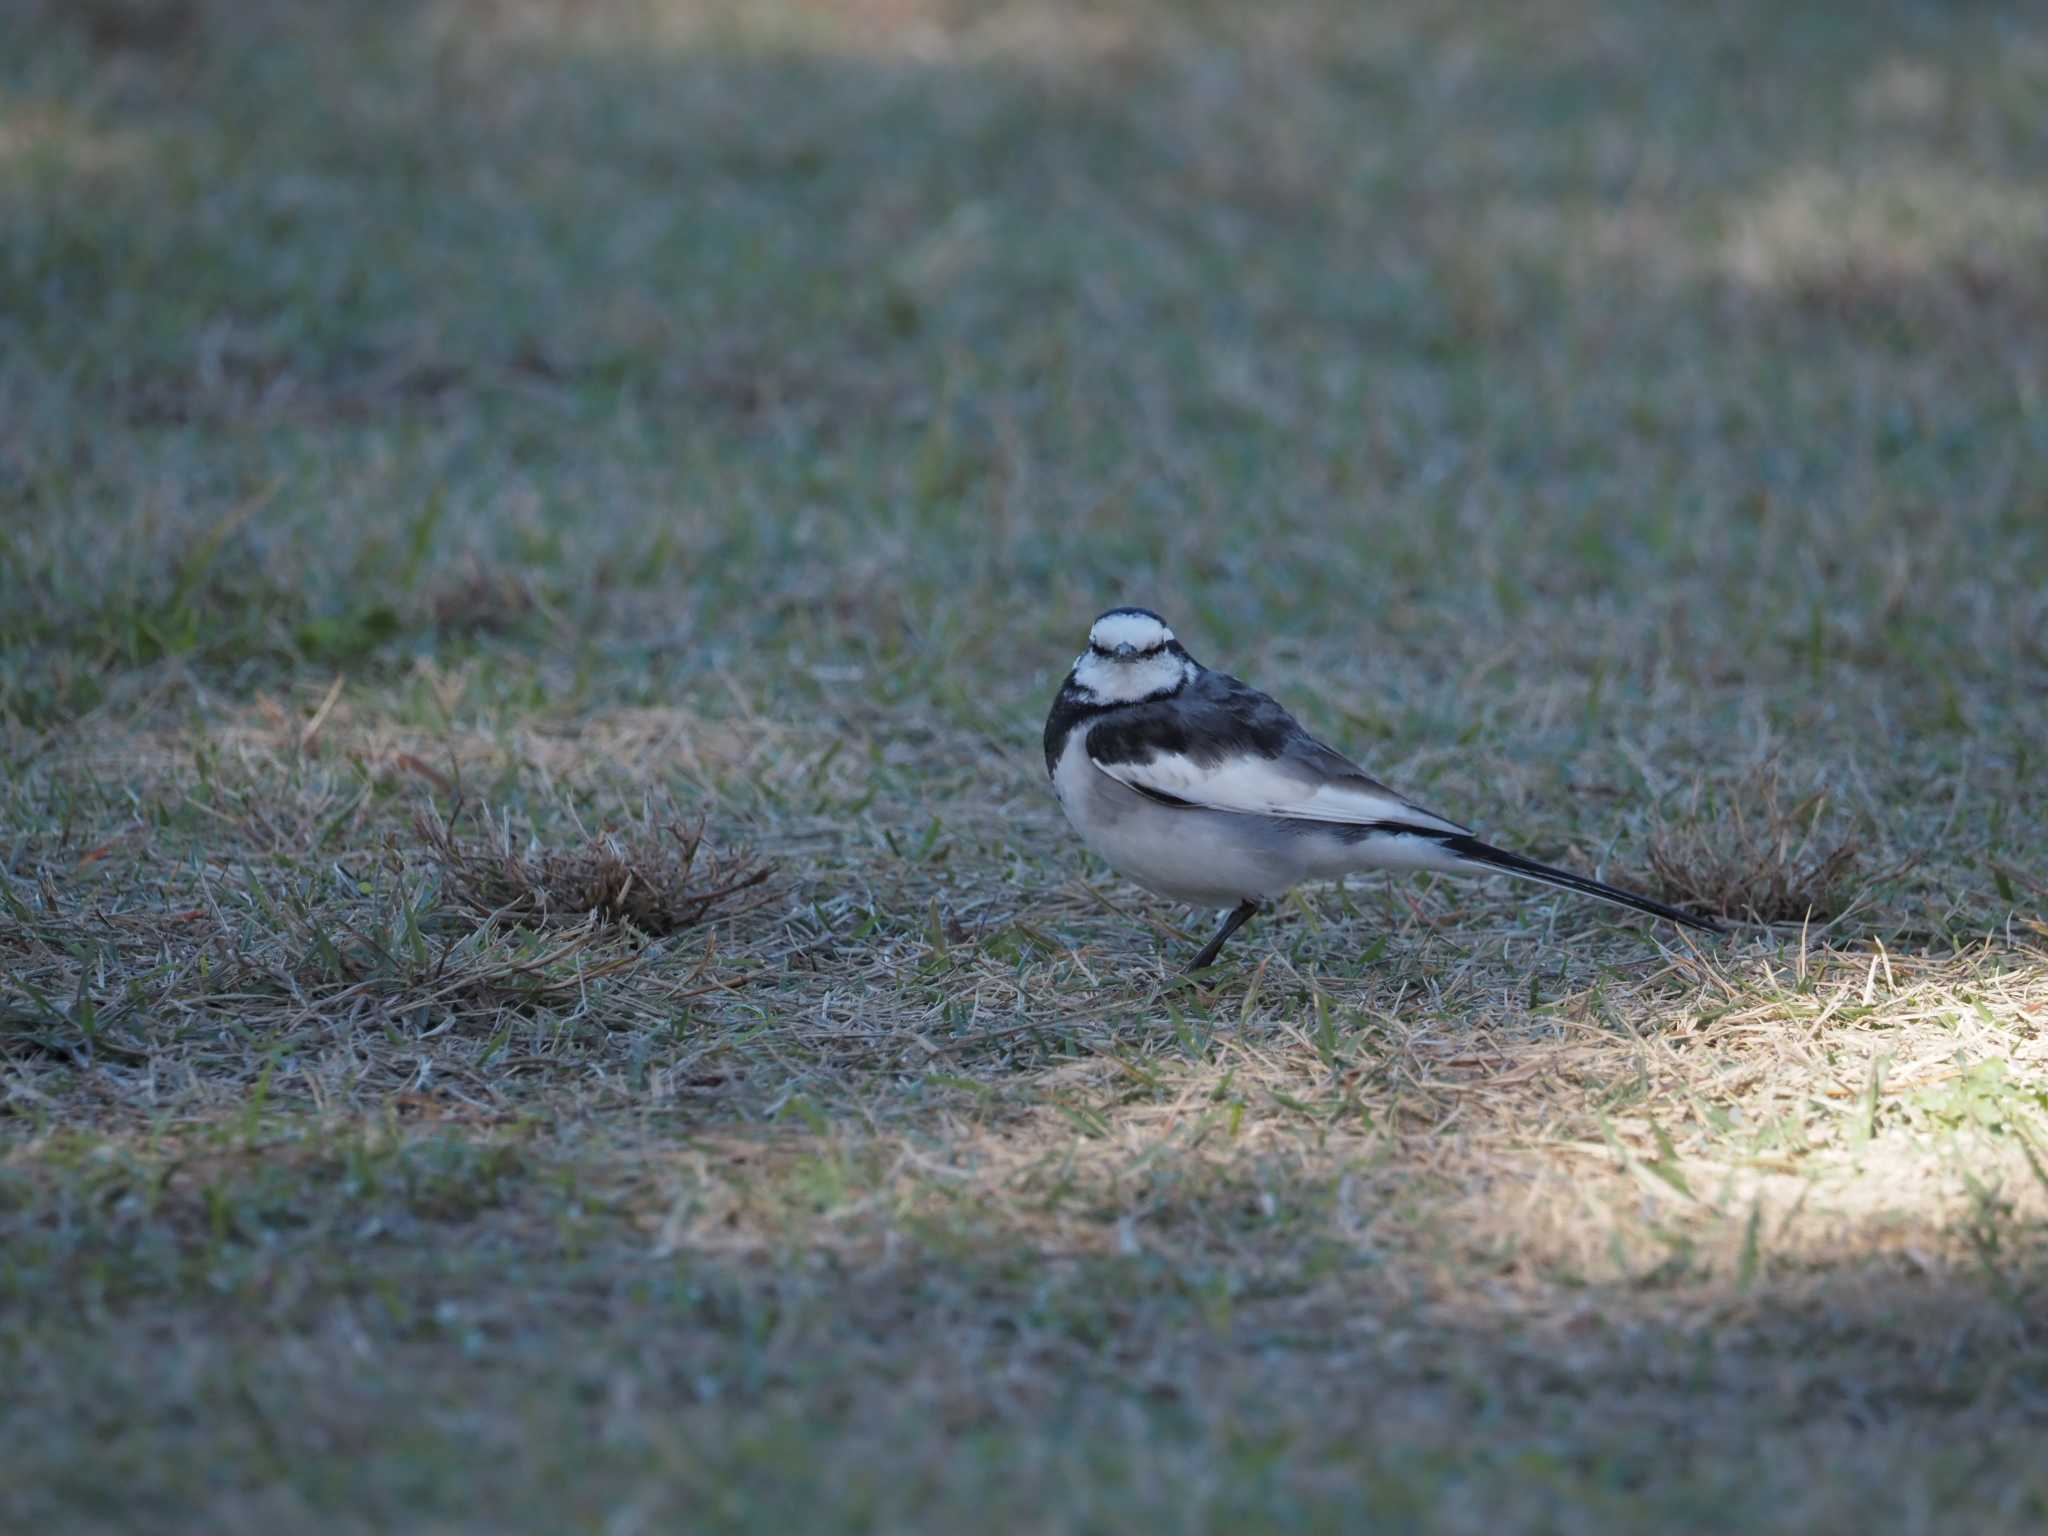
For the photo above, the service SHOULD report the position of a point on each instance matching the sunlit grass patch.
(1815, 228)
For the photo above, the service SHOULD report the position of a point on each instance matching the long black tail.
(1475, 851)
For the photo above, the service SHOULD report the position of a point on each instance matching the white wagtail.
(1208, 792)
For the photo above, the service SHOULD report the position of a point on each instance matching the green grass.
(445, 446)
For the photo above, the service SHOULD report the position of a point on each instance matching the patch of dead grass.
(1761, 853)
(655, 873)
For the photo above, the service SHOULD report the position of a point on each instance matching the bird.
(1207, 791)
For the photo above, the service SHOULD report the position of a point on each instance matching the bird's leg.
(1239, 916)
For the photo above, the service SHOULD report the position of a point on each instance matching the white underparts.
(1217, 858)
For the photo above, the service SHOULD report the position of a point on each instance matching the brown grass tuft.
(658, 876)
(1760, 855)
(138, 26)
(479, 600)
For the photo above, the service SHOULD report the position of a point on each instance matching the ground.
(455, 454)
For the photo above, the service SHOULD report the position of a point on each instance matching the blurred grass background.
(1699, 338)
(1604, 417)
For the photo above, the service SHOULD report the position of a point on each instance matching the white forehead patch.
(1140, 631)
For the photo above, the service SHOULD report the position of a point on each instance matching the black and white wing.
(1224, 746)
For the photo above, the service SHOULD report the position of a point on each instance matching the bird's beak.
(1124, 651)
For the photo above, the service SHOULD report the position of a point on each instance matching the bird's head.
(1131, 655)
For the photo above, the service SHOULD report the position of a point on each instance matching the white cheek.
(1094, 676)
(1119, 682)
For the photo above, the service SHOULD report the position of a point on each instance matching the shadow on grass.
(336, 1324)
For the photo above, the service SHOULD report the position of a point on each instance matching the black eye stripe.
(1150, 650)
(1133, 656)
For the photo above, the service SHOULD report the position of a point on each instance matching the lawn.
(542, 986)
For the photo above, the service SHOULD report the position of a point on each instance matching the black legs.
(1239, 916)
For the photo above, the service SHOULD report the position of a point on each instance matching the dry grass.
(1760, 854)
(646, 874)
(260, 938)
(1619, 426)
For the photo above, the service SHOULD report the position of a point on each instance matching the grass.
(446, 447)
